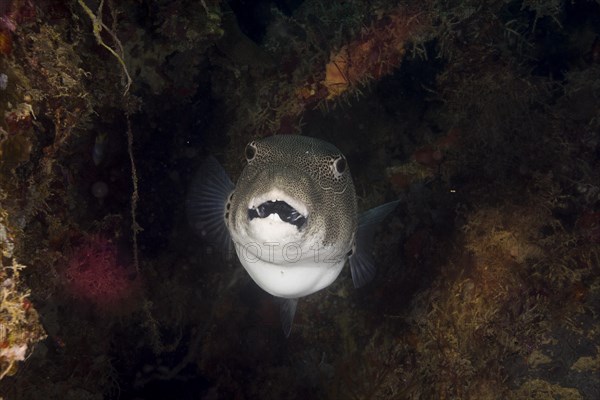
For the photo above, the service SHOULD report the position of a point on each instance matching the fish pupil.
(340, 165)
(286, 212)
(250, 151)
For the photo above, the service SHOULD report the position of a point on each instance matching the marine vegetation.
(481, 118)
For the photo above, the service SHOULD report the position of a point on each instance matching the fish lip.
(278, 195)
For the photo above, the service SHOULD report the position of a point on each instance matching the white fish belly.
(288, 271)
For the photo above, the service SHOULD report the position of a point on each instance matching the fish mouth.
(287, 208)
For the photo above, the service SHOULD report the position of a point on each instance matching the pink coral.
(93, 274)
(15, 12)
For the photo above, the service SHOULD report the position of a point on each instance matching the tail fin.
(287, 310)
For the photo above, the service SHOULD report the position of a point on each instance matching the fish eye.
(250, 151)
(340, 165)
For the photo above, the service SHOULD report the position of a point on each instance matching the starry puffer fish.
(291, 218)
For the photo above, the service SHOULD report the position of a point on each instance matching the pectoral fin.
(362, 264)
(206, 203)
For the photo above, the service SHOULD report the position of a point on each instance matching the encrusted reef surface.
(482, 117)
